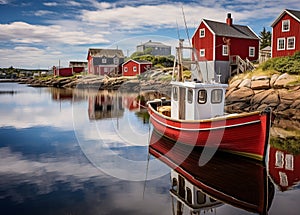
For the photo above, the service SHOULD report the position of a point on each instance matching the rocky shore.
(244, 94)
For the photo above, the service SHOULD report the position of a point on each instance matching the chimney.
(229, 19)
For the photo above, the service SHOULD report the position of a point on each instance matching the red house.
(105, 61)
(135, 67)
(286, 33)
(219, 45)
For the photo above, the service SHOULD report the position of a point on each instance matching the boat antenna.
(178, 34)
(186, 29)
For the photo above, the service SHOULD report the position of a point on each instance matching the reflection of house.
(284, 168)
(102, 106)
(135, 67)
(156, 48)
(286, 33)
(224, 47)
(264, 54)
(105, 61)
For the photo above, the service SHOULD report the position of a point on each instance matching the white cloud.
(73, 3)
(42, 12)
(50, 4)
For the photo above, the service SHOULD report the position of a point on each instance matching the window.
(104, 60)
(202, 96)
(251, 51)
(202, 52)
(200, 197)
(216, 96)
(285, 25)
(189, 195)
(116, 60)
(290, 43)
(280, 44)
(134, 69)
(175, 93)
(190, 96)
(225, 50)
(202, 33)
(125, 69)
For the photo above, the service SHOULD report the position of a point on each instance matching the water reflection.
(44, 168)
(225, 178)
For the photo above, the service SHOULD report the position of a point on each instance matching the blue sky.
(42, 33)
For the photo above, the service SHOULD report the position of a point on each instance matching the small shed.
(135, 67)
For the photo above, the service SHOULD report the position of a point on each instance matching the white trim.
(280, 39)
(287, 43)
(281, 15)
(250, 49)
(203, 51)
(202, 30)
(223, 48)
(204, 129)
(283, 24)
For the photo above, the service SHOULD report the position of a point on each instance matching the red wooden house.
(135, 67)
(218, 45)
(286, 33)
(105, 61)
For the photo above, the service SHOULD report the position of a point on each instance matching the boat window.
(190, 96)
(175, 93)
(200, 197)
(216, 96)
(174, 184)
(202, 96)
(188, 195)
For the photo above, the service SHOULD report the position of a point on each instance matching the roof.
(293, 13)
(267, 48)
(151, 43)
(105, 52)
(139, 61)
(223, 29)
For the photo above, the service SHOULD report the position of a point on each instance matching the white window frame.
(202, 33)
(135, 69)
(104, 60)
(278, 42)
(287, 43)
(225, 50)
(116, 60)
(125, 69)
(202, 52)
(285, 23)
(251, 51)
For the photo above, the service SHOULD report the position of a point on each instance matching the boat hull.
(246, 134)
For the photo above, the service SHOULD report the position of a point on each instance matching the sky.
(39, 34)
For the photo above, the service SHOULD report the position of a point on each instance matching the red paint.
(293, 32)
(206, 43)
(246, 139)
(284, 168)
(213, 45)
(69, 71)
(132, 67)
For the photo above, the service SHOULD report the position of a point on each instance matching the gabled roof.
(151, 43)
(105, 53)
(223, 29)
(293, 13)
(138, 61)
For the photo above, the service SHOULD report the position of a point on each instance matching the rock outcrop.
(280, 92)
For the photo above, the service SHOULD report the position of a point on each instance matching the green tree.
(265, 38)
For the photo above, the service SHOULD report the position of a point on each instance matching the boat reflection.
(226, 178)
(284, 169)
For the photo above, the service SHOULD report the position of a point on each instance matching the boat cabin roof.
(192, 84)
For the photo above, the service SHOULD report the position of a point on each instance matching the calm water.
(83, 152)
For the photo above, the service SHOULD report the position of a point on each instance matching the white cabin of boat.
(195, 101)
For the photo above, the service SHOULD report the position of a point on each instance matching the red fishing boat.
(195, 116)
(229, 179)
